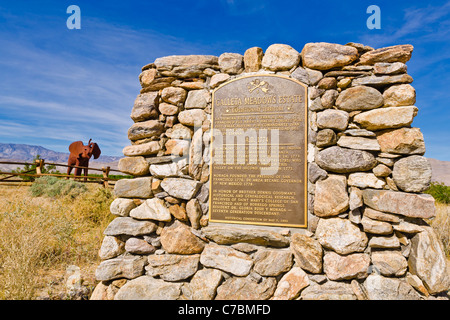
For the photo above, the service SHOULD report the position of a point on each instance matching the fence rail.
(40, 163)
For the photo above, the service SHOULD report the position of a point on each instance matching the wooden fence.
(39, 163)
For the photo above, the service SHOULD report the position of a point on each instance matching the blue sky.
(59, 85)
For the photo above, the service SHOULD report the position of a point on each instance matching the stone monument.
(278, 175)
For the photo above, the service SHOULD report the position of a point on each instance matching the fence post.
(39, 166)
(105, 176)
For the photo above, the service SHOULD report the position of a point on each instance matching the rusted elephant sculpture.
(80, 155)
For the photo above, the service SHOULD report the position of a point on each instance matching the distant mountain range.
(25, 152)
(440, 171)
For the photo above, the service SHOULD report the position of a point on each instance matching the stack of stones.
(367, 236)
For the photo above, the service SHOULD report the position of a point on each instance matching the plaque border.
(305, 225)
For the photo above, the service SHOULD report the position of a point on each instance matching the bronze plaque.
(258, 172)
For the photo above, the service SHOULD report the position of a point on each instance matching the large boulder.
(330, 290)
(365, 180)
(122, 206)
(389, 68)
(226, 259)
(342, 160)
(332, 119)
(382, 81)
(271, 263)
(307, 252)
(402, 141)
(203, 284)
(427, 260)
(164, 170)
(149, 288)
(185, 66)
(145, 129)
(291, 284)
(306, 75)
(133, 188)
(139, 246)
(412, 174)
(280, 57)
(111, 247)
(145, 107)
(253, 59)
(341, 235)
(389, 263)
(399, 95)
(168, 109)
(127, 266)
(178, 239)
(129, 226)
(136, 166)
(144, 149)
(229, 235)
(398, 53)
(197, 99)
(173, 95)
(172, 267)
(231, 63)
(360, 143)
(192, 117)
(375, 226)
(406, 204)
(384, 288)
(152, 81)
(359, 98)
(352, 266)
(179, 131)
(244, 288)
(324, 56)
(386, 118)
(331, 197)
(152, 209)
(180, 187)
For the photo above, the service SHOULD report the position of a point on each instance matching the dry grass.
(41, 236)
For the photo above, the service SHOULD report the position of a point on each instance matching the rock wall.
(366, 236)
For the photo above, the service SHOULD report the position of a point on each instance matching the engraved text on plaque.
(259, 149)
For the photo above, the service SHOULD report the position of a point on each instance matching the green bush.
(31, 169)
(52, 187)
(440, 192)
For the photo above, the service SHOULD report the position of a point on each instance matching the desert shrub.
(90, 212)
(43, 235)
(52, 187)
(30, 239)
(31, 169)
(93, 206)
(87, 207)
(440, 192)
(111, 176)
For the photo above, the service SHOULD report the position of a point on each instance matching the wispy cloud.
(418, 20)
(59, 85)
(418, 25)
(244, 7)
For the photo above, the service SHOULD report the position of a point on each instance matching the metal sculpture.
(80, 155)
